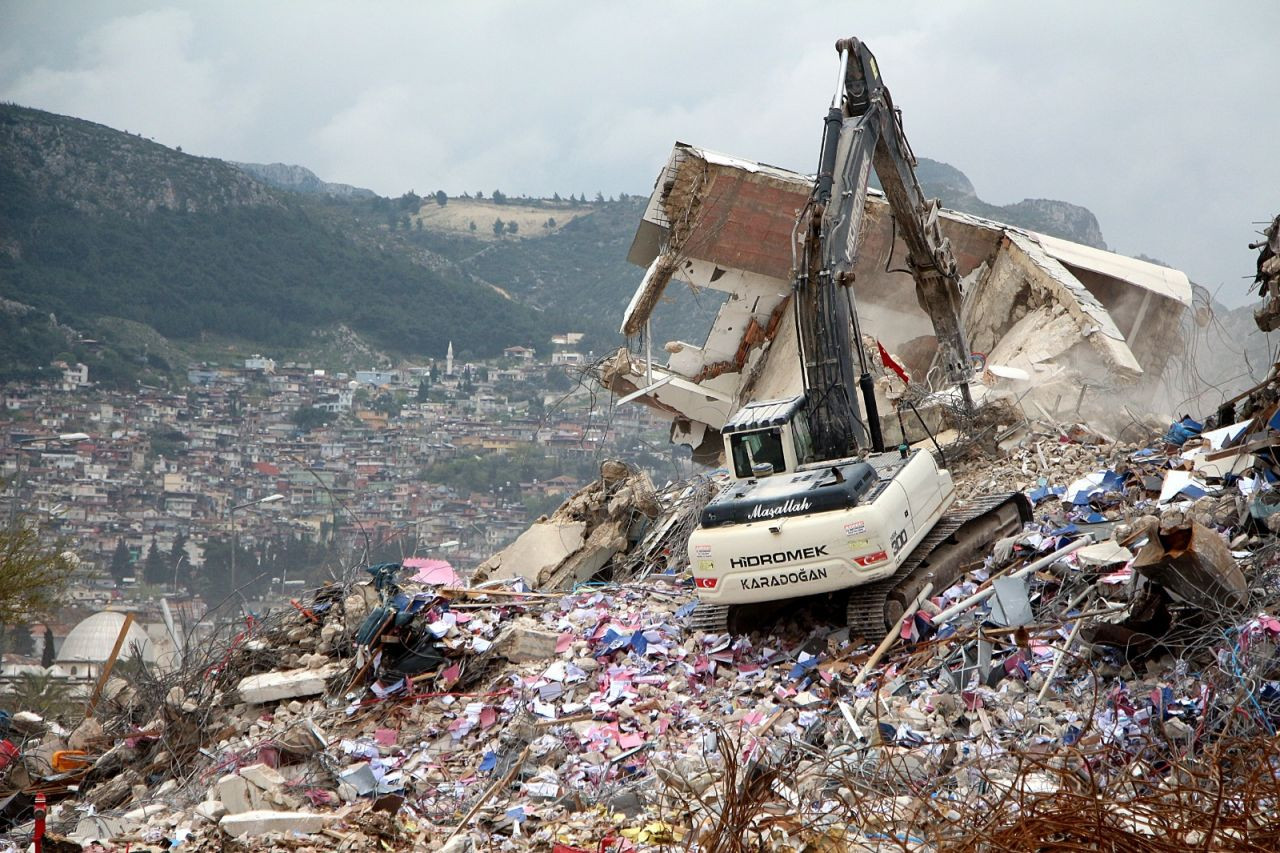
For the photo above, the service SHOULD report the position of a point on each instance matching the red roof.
(266, 468)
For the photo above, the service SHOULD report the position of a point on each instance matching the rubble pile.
(1111, 672)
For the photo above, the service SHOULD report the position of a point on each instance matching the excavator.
(815, 507)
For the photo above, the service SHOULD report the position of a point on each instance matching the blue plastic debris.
(1181, 431)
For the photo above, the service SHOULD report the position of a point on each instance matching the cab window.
(802, 440)
(753, 447)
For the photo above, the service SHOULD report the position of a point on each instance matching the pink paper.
(630, 741)
(488, 716)
(437, 572)
(450, 675)
(385, 737)
(564, 643)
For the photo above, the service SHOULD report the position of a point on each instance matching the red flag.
(887, 361)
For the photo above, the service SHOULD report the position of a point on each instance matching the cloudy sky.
(1158, 116)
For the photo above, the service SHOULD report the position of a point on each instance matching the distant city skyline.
(1152, 115)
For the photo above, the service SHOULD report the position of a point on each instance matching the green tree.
(155, 567)
(120, 561)
(19, 641)
(499, 197)
(512, 227)
(442, 198)
(46, 694)
(46, 653)
(498, 227)
(424, 391)
(32, 575)
(471, 225)
(179, 566)
(387, 404)
(307, 418)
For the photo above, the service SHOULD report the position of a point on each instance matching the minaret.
(448, 361)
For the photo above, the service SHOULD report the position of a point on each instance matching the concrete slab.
(284, 684)
(538, 550)
(263, 821)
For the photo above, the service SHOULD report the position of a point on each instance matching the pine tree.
(46, 653)
(179, 566)
(155, 568)
(120, 561)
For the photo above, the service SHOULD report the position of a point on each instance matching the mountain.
(97, 224)
(136, 258)
(1055, 218)
(300, 179)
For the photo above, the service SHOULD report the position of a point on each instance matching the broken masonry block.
(520, 645)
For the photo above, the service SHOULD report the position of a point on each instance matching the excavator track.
(712, 618)
(941, 557)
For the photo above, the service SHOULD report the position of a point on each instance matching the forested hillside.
(96, 223)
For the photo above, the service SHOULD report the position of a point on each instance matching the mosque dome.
(92, 640)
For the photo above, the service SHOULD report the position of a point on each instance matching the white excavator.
(815, 506)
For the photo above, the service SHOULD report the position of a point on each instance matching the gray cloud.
(1156, 116)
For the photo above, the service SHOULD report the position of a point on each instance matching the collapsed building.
(1040, 312)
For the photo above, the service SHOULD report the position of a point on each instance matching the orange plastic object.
(65, 760)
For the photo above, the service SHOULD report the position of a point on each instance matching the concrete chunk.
(263, 821)
(211, 810)
(234, 793)
(262, 776)
(284, 684)
(525, 644)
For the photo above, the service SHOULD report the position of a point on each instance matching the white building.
(375, 377)
(260, 362)
(74, 376)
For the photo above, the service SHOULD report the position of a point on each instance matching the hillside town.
(147, 488)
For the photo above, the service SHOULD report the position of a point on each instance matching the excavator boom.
(862, 131)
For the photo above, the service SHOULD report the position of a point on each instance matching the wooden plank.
(107, 667)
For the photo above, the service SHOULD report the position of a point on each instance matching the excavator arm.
(864, 131)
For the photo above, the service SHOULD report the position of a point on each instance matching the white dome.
(92, 640)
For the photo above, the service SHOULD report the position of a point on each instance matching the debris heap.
(1107, 675)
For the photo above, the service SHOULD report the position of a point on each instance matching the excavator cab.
(768, 437)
